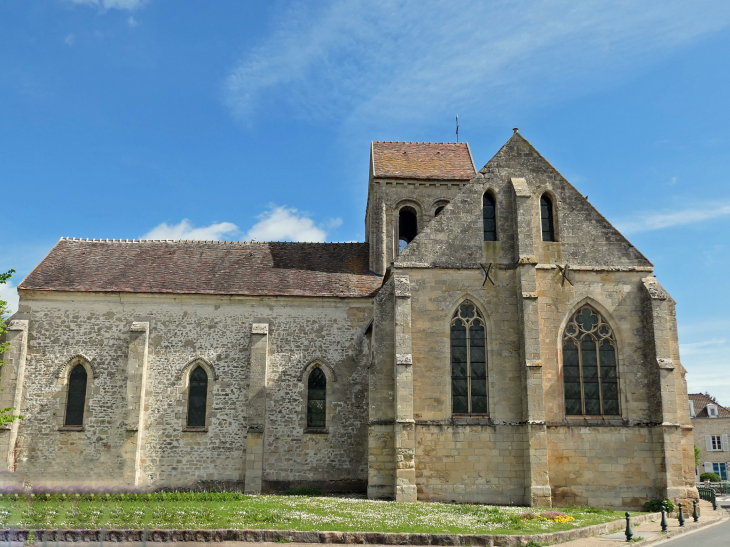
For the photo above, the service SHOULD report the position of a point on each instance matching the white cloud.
(287, 224)
(113, 4)
(704, 350)
(656, 221)
(132, 22)
(185, 230)
(365, 60)
(9, 293)
(70, 39)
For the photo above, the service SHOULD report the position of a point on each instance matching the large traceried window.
(76, 400)
(197, 397)
(468, 361)
(317, 399)
(590, 368)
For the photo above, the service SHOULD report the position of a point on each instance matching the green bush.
(654, 506)
(712, 477)
(303, 491)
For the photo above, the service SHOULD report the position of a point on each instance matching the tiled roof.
(700, 403)
(206, 267)
(422, 160)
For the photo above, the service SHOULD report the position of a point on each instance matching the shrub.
(712, 477)
(654, 506)
(303, 491)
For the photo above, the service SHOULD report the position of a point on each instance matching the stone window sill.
(72, 428)
(317, 430)
(195, 429)
(595, 420)
(470, 419)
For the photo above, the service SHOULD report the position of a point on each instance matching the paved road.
(714, 536)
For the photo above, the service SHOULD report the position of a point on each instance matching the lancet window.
(546, 215)
(468, 361)
(316, 399)
(490, 218)
(197, 397)
(590, 368)
(76, 399)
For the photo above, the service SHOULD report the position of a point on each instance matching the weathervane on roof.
(457, 128)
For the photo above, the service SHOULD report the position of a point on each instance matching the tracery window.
(546, 215)
(490, 219)
(468, 361)
(316, 399)
(76, 399)
(197, 397)
(590, 370)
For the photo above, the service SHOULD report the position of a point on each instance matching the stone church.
(495, 339)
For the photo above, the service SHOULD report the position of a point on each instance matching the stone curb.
(373, 538)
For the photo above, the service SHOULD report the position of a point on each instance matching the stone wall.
(183, 332)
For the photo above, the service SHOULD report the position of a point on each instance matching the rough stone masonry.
(449, 369)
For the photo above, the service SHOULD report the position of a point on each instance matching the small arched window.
(490, 218)
(76, 400)
(590, 371)
(438, 210)
(197, 397)
(316, 399)
(407, 226)
(468, 361)
(546, 214)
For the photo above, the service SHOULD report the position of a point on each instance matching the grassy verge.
(190, 510)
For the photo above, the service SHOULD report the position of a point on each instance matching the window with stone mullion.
(468, 362)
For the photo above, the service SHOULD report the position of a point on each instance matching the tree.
(5, 413)
(697, 456)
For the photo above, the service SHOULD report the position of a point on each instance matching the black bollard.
(695, 513)
(102, 533)
(58, 536)
(681, 515)
(10, 538)
(629, 533)
(664, 519)
(144, 536)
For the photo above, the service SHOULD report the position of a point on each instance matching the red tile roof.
(422, 160)
(700, 403)
(206, 267)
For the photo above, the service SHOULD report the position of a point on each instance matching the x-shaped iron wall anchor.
(564, 271)
(487, 275)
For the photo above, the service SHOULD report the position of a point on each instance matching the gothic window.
(407, 226)
(490, 220)
(546, 214)
(590, 369)
(316, 399)
(197, 397)
(76, 400)
(468, 361)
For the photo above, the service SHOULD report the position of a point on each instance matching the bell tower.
(410, 183)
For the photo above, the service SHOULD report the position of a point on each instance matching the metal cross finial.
(457, 128)
(487, 275)
(564, 271)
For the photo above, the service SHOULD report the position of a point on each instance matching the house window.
(692, 409)
(197, 397)
(546, 214)
(317, 399)
(468, 361)
(590, 371)
(490, 219)
(407, 227)
(76, 400)
(716, 443)
(712, 411)
(720, 469)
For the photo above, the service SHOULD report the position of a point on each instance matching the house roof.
(422, 160)
(701, 401)
(206, 267)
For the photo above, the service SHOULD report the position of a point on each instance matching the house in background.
(711, 423)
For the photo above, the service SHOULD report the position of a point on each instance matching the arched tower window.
(490, 218)
(438, 210)
(316, 399)
(590, 370)
(197, 397)
(407, 226)
(76, 400)
(546, 214)
(468, 361)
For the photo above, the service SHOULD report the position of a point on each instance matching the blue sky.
(241, 119)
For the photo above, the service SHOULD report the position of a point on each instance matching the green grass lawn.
(194, 510)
